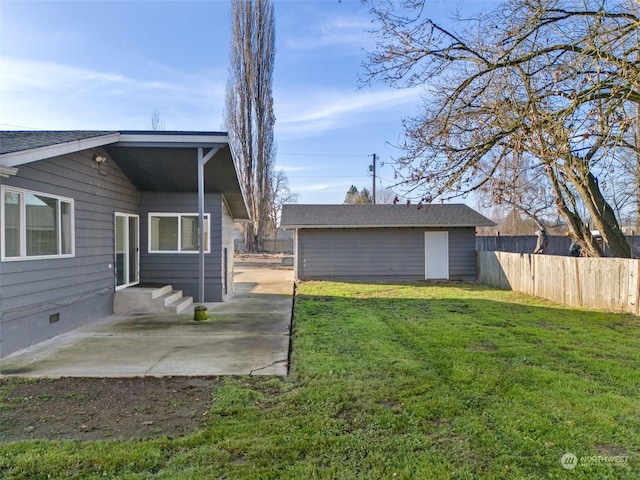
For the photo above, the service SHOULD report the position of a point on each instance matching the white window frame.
(23, 225)
(207, 220)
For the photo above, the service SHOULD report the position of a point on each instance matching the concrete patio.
(247, 335)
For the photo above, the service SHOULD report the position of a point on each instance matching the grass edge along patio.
(404, 381)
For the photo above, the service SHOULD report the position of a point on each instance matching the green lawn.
(404, 381)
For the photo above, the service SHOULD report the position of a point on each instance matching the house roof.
(160, 161)
(20, 141)
(369, 216)
(21, 147)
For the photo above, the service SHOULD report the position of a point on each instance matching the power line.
(327, 176)
(322, 155)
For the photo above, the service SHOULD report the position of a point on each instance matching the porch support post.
(202, 160)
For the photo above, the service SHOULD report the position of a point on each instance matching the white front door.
(127, 231)
(436, 255)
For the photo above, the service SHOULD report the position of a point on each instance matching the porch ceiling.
(175, 169)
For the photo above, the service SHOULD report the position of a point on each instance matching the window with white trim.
(36, 225)
(176, 233)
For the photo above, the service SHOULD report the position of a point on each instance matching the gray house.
(383, 242)
(87, 214)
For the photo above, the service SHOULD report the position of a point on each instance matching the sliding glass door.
(127, 230)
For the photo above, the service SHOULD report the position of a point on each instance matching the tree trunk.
(577, 229)
(252, 242)
(604, 217)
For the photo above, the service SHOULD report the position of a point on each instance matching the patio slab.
(248, 334)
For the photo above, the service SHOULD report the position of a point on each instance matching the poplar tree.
(249, 114)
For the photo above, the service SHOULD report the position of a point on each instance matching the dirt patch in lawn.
(104, 408)
(74, 408)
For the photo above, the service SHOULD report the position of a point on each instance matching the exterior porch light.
(7, 171)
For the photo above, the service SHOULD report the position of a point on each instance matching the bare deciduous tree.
(249, 113)
(282, 195)
(519, 183)
(156, 122)
(385, 195)
(548, 81)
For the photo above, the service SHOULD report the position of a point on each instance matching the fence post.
(533, 267)
(577, 277)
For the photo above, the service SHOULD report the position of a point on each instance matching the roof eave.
(293, 227)
(173, 139)
(242, 216)
(121, 139)
(22, 157)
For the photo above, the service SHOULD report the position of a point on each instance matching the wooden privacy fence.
(557, 245)
(280, 245)
(598, 283)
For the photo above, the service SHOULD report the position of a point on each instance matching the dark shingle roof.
(19, 141)
(363, 216)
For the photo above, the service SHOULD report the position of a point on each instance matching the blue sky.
(111, 64)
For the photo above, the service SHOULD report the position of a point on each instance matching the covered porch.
(92, 213)
(181, 235)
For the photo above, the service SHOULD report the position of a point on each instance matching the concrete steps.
(141, 300)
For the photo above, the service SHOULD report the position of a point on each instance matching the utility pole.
(372, 168)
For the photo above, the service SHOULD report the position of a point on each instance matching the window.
(176, 233)
(36, 225)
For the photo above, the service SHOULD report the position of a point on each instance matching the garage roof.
(376, 216)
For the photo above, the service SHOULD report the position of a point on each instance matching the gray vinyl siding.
(227, 242)
(462, 254)
(379, 254)
(79, 289)
(181, 269)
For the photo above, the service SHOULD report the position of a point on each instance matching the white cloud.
(321, 112)
(292, 168)
(63, 96)
(313, 187)
(347, 33)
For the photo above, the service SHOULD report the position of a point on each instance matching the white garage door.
(436, 255)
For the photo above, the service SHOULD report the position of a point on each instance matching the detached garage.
(383, 242)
